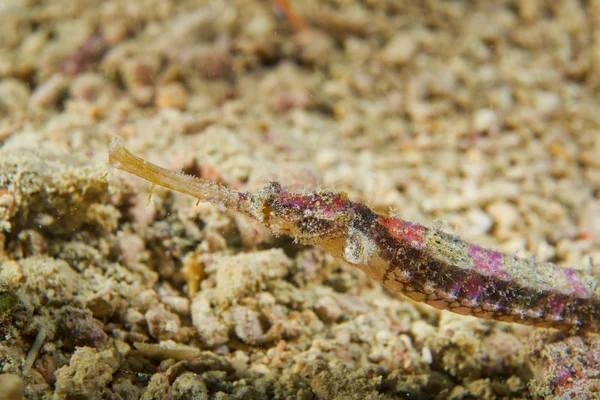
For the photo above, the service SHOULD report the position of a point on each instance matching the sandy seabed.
(479, 117)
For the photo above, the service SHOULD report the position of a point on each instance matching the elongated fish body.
(422, 263)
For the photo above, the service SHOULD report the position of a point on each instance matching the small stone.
(162, 324)
(158, 388)
(244, 274)
(48, 280)
(48, 93)
(114, 31)
(252, 233)
(247, 325)
(305, 394)
(505, 216)
(88, 373)
(313, 46)
(529, 10)
(14, 95)
(131, 247)
(328, 309)
(400, 49)
(11, 274)
(544, 251)
(477, 223)
(589, 220)
(173, 95)
(80, 328)
(189, 386)
(484, 119)
(247, 393)
(144, 300)
(210, 327)
(142, 95)
(167, 350)
(209, 361)
(89, 87)
(179, 304)
(212, 62)
(133, 318)
(590, 158)
(140, 72)
(547, 101)
(12, 387)
(124, 387)
(7, 209)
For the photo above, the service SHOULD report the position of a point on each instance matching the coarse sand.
(481, 118)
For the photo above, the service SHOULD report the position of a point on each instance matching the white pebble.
(399, 49)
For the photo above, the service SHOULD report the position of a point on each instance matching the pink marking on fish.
(488, 262)
(327, 206)
(574, 279)
(405, 231)
(473, 287)
(557, 305)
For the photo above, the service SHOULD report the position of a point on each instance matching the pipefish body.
(422, 263)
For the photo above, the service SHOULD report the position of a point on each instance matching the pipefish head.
(311, 218)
